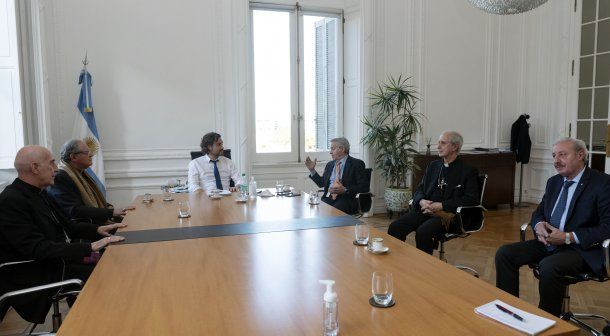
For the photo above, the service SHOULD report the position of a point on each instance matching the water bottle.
(243, 187)
(331, 309)
(252, 187)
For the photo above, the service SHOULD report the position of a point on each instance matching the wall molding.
(148, 154)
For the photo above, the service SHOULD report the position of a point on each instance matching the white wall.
(478, 72)
(167, 72)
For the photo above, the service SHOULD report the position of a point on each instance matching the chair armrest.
(606, 249)
(12, 263)
(465, 209)
(59, 284)
(522, 231)
(459, 209)
(364, 194)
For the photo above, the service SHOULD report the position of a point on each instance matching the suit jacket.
(66, 194)
(32, 227)
(461, 187)
(353, 178)
(520, 141)
(588, 214)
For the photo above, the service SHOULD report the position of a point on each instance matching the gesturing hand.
(311, 165)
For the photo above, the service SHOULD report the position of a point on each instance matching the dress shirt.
(201, 173)
(571, 191)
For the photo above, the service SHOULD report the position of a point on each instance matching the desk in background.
(500, 168)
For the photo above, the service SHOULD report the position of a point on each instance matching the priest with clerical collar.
(76, 192)
(448, 183)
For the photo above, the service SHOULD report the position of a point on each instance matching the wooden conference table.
(267, 283)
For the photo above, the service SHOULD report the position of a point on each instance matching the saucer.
(168, 200)
(216, 196)
(385, 249)
(223, 192)
(241, 200)
(313, 203)
(266, 194)
(375, 304)
(360, 244)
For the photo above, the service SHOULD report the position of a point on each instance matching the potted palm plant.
(390, 132)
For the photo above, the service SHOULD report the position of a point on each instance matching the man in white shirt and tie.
(212, 170)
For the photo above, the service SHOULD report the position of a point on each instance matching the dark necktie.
(217, 175)
(561, 205)
(560, 208)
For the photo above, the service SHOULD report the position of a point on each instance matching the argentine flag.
(86, 129)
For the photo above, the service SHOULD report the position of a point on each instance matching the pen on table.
(510, 313)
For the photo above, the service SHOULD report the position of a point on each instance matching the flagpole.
(85, 79)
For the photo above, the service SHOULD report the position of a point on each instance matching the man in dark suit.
(76, 192)
(570, 222)
(343, 177)
(33, 227)
(447, 184)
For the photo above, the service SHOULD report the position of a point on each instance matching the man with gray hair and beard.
(33, 227)
(76, 192)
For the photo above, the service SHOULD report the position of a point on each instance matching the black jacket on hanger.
(520, 142)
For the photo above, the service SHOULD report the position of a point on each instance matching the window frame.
(297, 133)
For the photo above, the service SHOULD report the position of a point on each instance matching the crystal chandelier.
(506, 6)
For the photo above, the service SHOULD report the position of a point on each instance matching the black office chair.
(226, 153)
(5, 299)
(469, 220)
(567, 314)
(365, 200)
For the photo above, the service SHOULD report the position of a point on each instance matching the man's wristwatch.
(568, 241)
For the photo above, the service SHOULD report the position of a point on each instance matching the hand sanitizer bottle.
(331, 309)
(252, 187)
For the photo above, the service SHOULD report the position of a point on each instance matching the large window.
(298, 81)
(594, 81)
(11, 121)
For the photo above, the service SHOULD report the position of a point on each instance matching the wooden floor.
(477, 251)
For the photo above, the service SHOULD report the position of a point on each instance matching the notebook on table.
(530, 324)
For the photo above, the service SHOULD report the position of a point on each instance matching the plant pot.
(397, 200)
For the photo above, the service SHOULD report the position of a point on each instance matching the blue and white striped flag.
(86, 129)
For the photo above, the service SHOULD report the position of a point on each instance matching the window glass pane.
(584, 104)
(604, 9)
(587, 39)
(600, 110)
(586, 72)
(599, 136)
(603, 36)
(583, 129)
(602, 70)
(320, 67)
(272, 82)
(588, 10)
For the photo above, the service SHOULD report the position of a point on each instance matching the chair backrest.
(366, 201)
(196, 154)
(482, 181)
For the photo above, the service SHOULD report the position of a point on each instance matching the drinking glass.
(147, 198)
(167, 195)
(313, 196)
(184, 209)
(382, 288)
(362, 234)
(279, 186)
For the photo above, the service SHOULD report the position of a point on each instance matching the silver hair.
(69, 148)
(342, 142)
(577, 143)
(455, 138)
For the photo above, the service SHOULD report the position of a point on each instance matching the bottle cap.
(329, 295)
